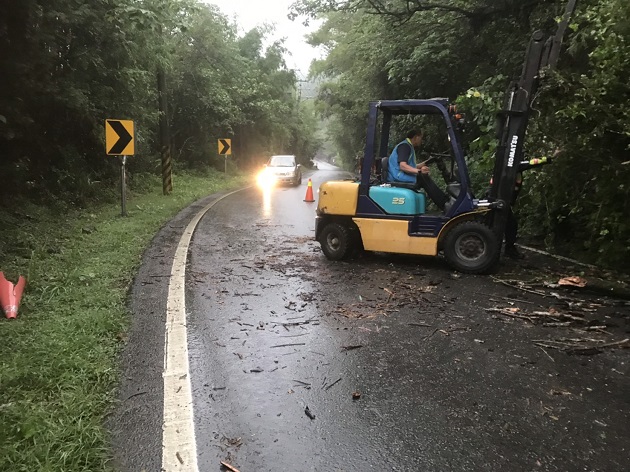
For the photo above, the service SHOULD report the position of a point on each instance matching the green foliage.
(69, 65)
(482, 104)
(377, 55)
(470, 51)
(581, 201)
(59, 365)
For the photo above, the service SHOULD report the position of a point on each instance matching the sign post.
(225, 149)
(123, 186)
(120, 141)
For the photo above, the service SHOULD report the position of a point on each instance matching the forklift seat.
(385, 176)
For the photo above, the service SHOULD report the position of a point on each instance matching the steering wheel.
(439, 158)
(440, 154)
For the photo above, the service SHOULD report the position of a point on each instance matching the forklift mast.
(512, 122)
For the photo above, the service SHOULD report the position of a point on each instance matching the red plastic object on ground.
(10, 295)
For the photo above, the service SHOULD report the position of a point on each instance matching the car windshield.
(282, 161)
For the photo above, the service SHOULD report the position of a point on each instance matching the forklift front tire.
(472, 247)
(336, 241)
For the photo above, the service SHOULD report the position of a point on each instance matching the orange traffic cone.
(10, 295)
(309, 192)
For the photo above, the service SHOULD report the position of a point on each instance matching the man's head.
(415, 136)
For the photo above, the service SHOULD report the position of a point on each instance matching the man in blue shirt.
(402, 167)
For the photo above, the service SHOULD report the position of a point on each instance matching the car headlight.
(265, 178)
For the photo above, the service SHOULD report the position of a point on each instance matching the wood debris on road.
(304, 384)
(431, 334)
(333, 384)
(351, 348)
(581, 346)
(229, 466)
(289, 345)
(291, 323)
(552, 317)
(309, 413)
(572, 282)
(519, 285)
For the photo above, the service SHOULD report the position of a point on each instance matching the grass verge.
(58, 366)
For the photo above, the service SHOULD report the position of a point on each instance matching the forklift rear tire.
(336, 241)
(472, 247)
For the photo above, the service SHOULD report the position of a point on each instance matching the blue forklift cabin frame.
(420, 225)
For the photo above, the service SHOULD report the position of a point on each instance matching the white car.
(284, 169)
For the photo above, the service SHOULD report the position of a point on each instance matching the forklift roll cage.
(391, 217)
(389, 108)
(425, 224)
(543, 51)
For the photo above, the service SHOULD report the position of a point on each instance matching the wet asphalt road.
(273, 328)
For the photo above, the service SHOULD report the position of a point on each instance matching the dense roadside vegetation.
(469, 50)
(65, 67)
(58, 369)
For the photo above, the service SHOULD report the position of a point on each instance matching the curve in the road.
(179, 450)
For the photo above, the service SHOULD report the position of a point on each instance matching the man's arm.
(407, 169)
(404, 152)
(420, 168)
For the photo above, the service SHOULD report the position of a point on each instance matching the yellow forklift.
(375, 214)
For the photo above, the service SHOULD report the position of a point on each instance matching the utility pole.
(165, 138)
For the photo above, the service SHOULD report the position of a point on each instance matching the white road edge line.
(179, 447)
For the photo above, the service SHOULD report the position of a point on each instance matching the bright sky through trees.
(251, 13)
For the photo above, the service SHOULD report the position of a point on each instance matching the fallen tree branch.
(432, 333)
(350, 348)
(576, 347)
(518, 286)
(510, 314)
(288, 345)
(621, 343)
(333, 384)
(230, 467)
